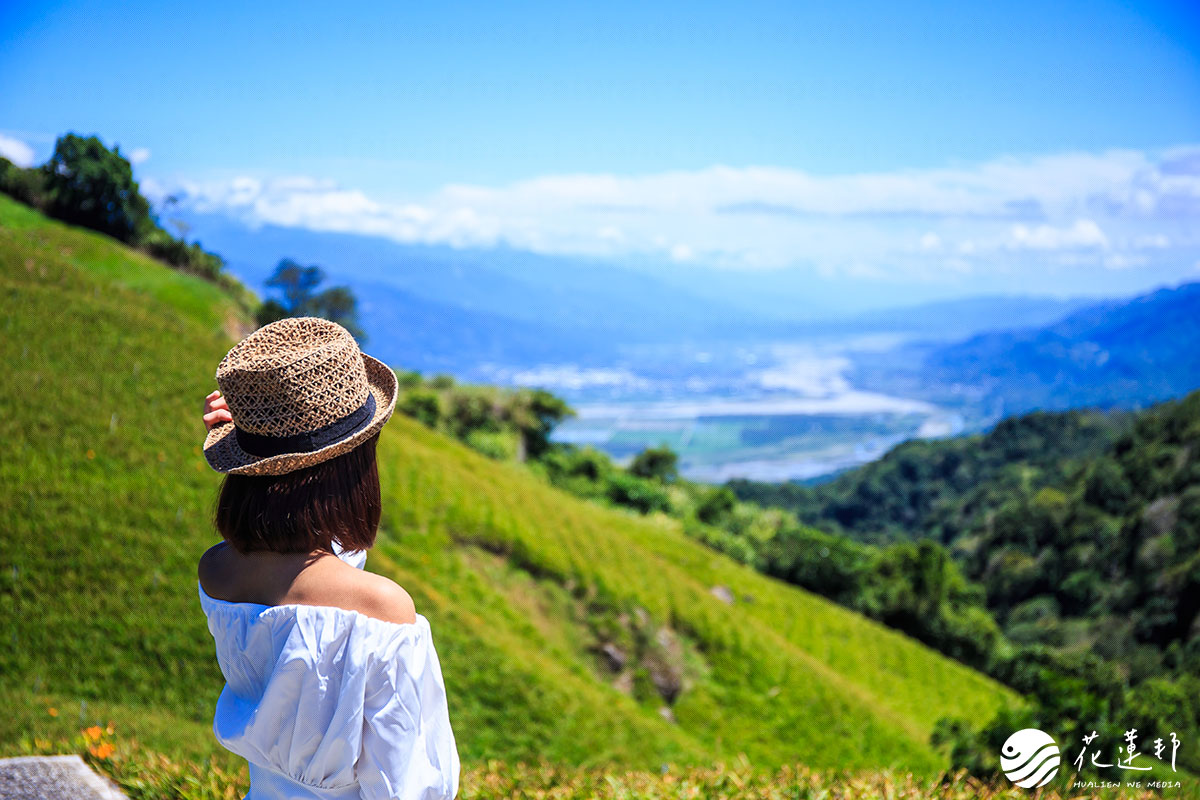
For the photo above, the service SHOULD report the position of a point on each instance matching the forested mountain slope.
(1083, 527)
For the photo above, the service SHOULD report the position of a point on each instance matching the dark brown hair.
(307, 509)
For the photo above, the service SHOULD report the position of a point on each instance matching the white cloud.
(1085, 233)
(1124, 260)
(139, 155)
(16, 151)
(681, 252)
(765, 217)
(1154, 241)
(996, 189)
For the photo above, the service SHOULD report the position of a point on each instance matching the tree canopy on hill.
(87, 184)
(927, 488)
(1080, 526)
(299, 298)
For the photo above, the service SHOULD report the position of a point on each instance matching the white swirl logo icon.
(1030, 758)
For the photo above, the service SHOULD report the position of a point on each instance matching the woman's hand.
(216, 411)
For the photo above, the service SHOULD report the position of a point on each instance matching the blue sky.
(938, 142)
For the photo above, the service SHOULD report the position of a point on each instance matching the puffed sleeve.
(408, 748)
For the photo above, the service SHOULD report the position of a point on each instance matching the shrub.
(637, 493)
(25, 185)
(657, 463)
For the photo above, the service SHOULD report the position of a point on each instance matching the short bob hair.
(305, 510)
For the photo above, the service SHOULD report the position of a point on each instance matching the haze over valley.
(646, 359)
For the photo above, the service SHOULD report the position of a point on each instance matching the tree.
(656, 463)
(535, 412)
(716, 505)
(87, 184)
(298, 285)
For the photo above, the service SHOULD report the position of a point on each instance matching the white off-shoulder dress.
(329, 704)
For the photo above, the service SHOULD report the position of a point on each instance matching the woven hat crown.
(293, 376)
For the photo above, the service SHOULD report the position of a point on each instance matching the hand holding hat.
(216, 411)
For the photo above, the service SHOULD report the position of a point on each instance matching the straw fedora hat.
(300, 392)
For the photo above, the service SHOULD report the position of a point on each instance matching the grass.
(777, 659)
(148, 775)
(107, 500)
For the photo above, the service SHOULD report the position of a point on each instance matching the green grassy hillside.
(106, 501)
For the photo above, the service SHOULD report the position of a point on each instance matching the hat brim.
(223, 453)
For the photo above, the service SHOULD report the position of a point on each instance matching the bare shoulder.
(210, 569)
(340, 584)
(383, 598)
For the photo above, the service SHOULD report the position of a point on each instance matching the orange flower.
(93, 733)
(91, 454)
(52, 712)
(109, 729)
(101, 750)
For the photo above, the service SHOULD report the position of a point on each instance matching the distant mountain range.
(440, 307)
(958, 319)
(1115, 354)
(437, 308)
